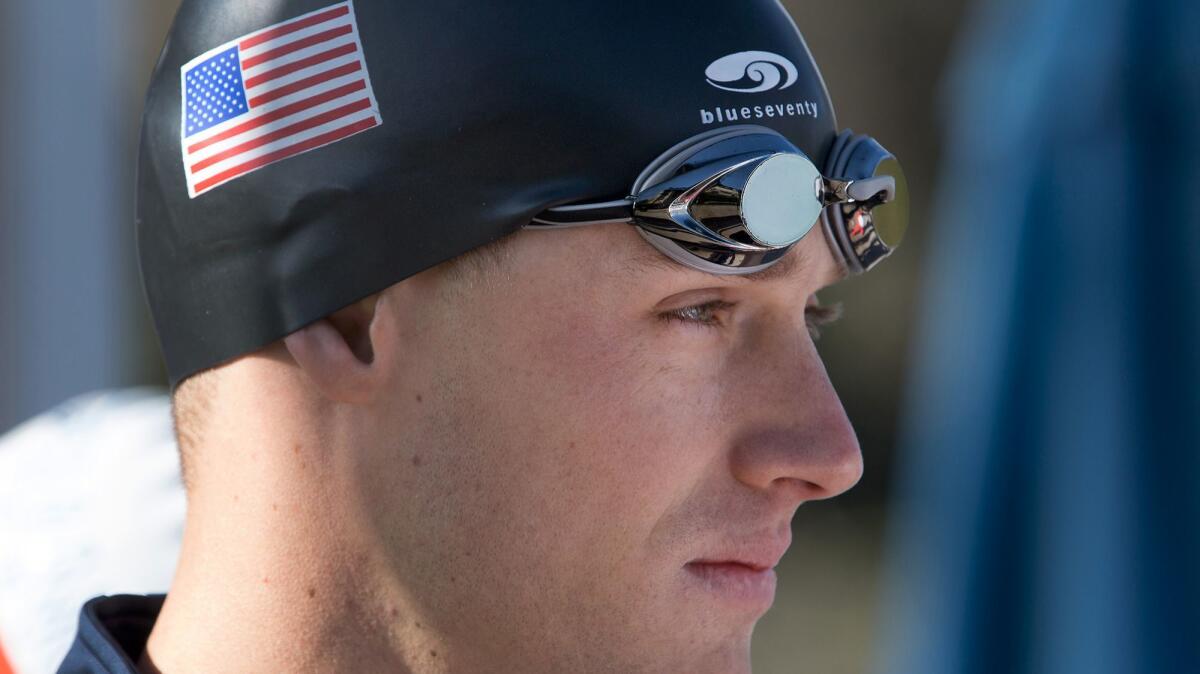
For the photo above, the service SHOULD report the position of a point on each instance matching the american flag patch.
(273, 94)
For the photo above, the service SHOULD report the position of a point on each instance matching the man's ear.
(338, 354)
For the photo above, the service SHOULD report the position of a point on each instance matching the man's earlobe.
(337, 354)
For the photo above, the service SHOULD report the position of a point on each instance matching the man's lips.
(740, 573)
(735, 585)
(759, 554)
(731, 564)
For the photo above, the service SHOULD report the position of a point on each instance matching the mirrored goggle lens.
(780, 202)
(891, 218)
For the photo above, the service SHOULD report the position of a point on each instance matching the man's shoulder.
(112, 634)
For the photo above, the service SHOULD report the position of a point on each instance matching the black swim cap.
(298, 155)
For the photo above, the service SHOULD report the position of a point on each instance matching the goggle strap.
(577, 215)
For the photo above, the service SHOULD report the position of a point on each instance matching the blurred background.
(1021, 374)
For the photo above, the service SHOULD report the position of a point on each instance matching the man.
(440, 406)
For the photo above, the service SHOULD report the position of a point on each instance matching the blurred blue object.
(1046, 515)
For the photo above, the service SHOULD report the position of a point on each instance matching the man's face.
(557, 448)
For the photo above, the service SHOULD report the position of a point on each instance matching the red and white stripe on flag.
(272, 94)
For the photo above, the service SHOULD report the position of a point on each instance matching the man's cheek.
(583, 355)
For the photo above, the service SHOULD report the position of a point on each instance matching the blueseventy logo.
(736, 114)
(751, 71)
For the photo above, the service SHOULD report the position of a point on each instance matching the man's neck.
(267, 585)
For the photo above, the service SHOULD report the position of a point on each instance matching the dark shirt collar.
(112, 634)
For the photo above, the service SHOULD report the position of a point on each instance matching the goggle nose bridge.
(864, 190)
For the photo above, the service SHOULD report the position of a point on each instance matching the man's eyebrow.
(652, 260)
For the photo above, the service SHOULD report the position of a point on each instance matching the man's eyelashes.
(716, 312)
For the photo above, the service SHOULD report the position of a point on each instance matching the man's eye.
(818, 315)
(710, 314)
(707, 314)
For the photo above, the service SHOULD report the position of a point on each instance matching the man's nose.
(794, 435)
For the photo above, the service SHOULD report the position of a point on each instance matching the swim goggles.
(734, 200)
